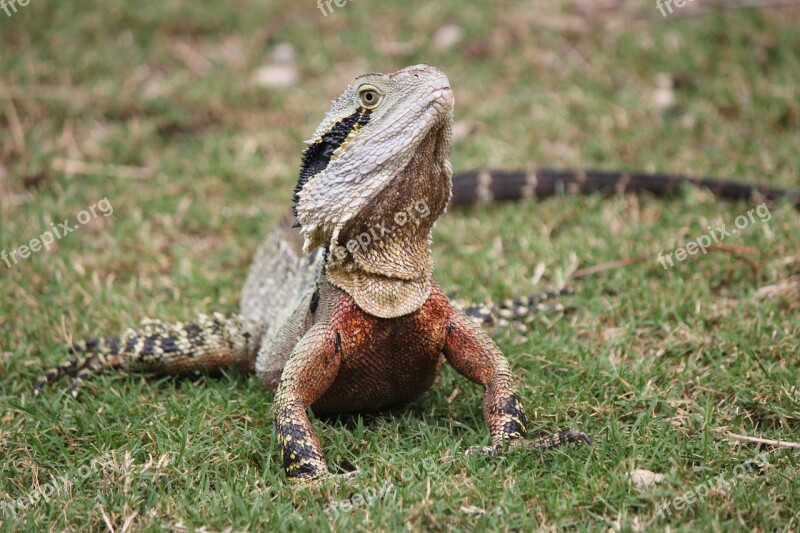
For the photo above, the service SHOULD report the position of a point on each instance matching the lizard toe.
(474, 451)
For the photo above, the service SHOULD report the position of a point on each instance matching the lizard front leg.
(474, 355)
(310, 371)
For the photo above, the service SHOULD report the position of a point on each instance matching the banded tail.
(500, 185)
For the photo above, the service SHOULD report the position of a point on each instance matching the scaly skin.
(380, 323)
(341, 328)
(207, 344)
(349, 361)
(367, 326)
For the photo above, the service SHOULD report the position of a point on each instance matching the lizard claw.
(565, 436)
(347, 475)
(323, 478)
(474, 451)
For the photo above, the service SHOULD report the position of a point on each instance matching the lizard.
(340, 311)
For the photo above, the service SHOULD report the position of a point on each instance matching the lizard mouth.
(440, 105)
(445, 96)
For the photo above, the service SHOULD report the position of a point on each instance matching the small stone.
(642, 479)
(283, 53)
(275, 75)
(664, 95)
(447, 37)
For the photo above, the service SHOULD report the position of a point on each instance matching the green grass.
(655, 365)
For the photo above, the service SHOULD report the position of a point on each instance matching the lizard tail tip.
(39, 385)
(574, 435)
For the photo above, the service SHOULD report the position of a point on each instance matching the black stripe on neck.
(317, 156)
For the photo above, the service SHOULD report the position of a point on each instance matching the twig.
(611, 265)
(54, 92)
(781, 288)
(13, 119)
(648, 13)
(106, 519)
(740, 252)
(759, 440)
(726, 6)
(190, 57)
(72, 166)
(734, 249)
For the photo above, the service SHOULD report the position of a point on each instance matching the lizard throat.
(382, 257)
(392, 281)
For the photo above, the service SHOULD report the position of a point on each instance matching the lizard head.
(384, 144)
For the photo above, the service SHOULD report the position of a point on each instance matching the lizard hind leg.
(209, 343)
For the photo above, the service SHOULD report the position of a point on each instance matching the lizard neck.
(383, 258)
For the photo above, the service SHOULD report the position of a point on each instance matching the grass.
(656, 365)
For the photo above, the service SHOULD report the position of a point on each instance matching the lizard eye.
(369, 96)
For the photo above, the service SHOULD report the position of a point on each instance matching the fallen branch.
(47, 92)
(17, 133)
(781, 288)
(611, 265)
(728, 6)
(72, 166)
(759, 440)
(739, 252)
(714, 7)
